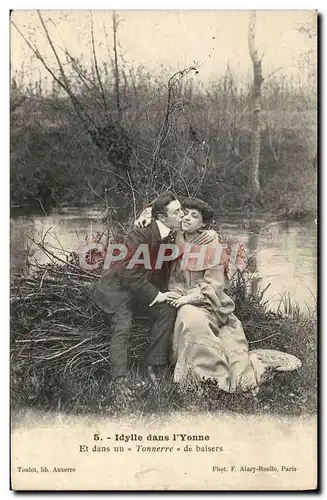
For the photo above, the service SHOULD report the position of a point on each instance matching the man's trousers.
(120, 323)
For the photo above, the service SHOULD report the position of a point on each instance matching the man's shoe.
(156, 373)
(122, 386)
(151, 375)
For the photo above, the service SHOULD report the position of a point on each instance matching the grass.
(60, 359)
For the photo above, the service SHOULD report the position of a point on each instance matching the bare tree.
(254, 183)
(140, 172)
(105, 130)
(172, 106)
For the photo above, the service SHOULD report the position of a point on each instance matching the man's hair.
(205, 210)
(160, 204)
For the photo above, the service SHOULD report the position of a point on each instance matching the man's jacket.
(118, 285)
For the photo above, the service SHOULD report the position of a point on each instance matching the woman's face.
(192, 220)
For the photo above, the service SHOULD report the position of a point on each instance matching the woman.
(208, 341)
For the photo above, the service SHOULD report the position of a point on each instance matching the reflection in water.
(288, 260)
(285, 253)
(62, 235)
(285, 256)
(252, 251)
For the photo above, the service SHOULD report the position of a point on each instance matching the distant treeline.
(194, 141)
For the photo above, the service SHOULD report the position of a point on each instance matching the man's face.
(173, 217)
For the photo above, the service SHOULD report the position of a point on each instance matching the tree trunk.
(254, 183)
(117, 90)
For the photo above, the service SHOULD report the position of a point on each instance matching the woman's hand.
(206, 237)
(181, 301)
(165, 297)
(193, 296)
(173, 295)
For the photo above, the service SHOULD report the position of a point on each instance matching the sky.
(166, 41)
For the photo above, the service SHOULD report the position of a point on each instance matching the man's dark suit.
(116, 290)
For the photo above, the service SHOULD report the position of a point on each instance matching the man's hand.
(161, 297)
(144, 219)
(205, 237)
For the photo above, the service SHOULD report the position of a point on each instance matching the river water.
(286, 252)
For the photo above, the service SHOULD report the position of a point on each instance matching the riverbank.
(60, 360)
(289, 215)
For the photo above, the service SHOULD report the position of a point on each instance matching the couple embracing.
(194, 323)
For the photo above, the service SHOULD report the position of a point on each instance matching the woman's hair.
(160, 204)
(205, 210)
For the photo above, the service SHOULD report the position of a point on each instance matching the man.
(121, 286)
(128, 284)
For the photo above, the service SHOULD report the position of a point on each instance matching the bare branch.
(119, 177)
(79, 71)
(62, 72)
(107, 38)
(133, 194)
(59, 82)
(276, 71)
(201, 179)
(96, 66)
(170, 108)
(53, 256)
(94, 191)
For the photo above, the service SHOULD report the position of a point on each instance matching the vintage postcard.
(163, 240)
